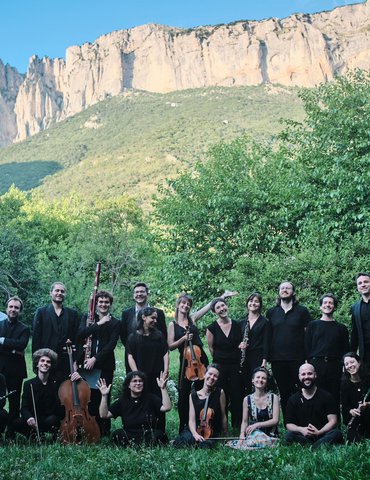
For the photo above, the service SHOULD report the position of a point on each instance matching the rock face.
(302, 50)
(10, 80)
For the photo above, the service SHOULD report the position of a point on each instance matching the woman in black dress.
(180, 331)
(355, 401)
(224, 339)
(139, 410)
(255, 338)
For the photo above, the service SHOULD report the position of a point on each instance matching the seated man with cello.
(207, 413)
(138, 408)
(41, 410)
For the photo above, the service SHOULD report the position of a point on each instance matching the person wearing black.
(212, 397)
(53, 325)
(14, 337)
(255, 334)
(4, 416)
(286, 329)
(355, 394)
(311, 413)
(44, 390)
(104, 336)
(224, 339)
(326, 342)
(147, 349)
(138, 409)
(360, 311)
(129, 316)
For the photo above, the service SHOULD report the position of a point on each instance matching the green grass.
(144, 137)
(51, 462)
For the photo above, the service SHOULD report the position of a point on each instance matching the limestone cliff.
(299, 50)
(10, 80)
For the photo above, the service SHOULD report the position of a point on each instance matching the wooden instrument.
(195, 369)
(245, 340)
(91, 314)
(206, 417)
(78, 426)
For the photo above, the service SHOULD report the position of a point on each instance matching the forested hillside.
(253, 213)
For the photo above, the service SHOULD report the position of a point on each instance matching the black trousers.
(329, 438)
(183, 400)
(46, 424)
(148, 438)
(286, 376)
(329, 374)
(231, 383)
(253, 359)
(186, 439)
(14, 400)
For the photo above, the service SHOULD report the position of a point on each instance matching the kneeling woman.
(138, 409)
(207, 415)
(355, 394)
(260, 415)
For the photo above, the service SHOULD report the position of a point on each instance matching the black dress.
(351, 394)
(185, 385)
(226, 354)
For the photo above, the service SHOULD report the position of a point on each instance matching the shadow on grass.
(25, 175)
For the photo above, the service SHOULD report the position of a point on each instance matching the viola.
(206, 418)
(195, 369)
(78, 426)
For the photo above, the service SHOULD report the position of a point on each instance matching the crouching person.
(40, 394)
(311, 413)
(138, 409)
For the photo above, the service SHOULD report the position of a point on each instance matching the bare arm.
(132, 362)
(223, 413)
(172, 344)
(162, 384)
(244, 423)
(331, 423)
(202, 311)
(209, 337)
(103, 407)
(166, 364)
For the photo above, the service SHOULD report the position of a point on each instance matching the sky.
(48, 27)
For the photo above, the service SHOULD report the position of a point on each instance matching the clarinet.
(245, 340)
(356, 421)
(91, 314)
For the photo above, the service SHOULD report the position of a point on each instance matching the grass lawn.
(54, 461)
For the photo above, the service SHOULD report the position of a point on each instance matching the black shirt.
(286, 332)
(148, 351)
(302, 411)
(326, 339)
(137, 413)
(351, 394)
(257, 335)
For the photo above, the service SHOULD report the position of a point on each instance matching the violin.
(195, 369)
(78, 426)
(206, 418)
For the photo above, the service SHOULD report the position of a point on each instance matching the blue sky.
(48, 27)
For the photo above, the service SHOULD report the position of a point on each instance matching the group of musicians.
(319, 369)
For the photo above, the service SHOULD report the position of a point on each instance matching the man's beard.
(306, 386)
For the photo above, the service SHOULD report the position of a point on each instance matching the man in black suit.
(104, 333)
(129, 316)
(360, 311)
(14, 336)
(53, 325)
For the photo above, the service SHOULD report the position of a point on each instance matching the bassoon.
(91, 313)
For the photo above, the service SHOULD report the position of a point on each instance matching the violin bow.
(34, 410)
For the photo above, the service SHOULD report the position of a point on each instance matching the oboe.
(245, 340)
(355, 421)
(91, 314)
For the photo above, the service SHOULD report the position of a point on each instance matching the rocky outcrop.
(302, 50)
(10, 81)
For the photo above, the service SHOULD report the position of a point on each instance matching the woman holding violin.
(184, 336)
(207, 415)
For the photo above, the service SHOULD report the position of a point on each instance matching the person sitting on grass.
(311, 413)
(138, 409)
(207, 413)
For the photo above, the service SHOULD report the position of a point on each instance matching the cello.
(78, 426)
